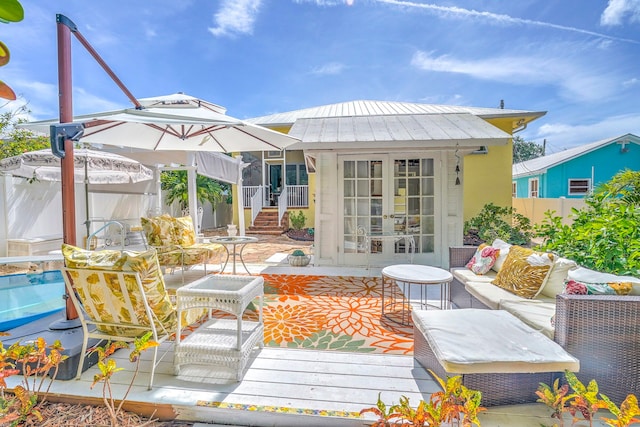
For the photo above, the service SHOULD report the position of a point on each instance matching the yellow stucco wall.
(487, 177)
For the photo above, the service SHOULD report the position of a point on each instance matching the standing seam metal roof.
(540, 164)
(379, 108)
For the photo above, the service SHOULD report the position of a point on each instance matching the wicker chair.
(602, 331)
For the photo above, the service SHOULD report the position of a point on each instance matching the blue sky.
(579, 60)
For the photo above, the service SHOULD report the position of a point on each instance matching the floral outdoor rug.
(330, 313)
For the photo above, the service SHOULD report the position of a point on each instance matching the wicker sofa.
(602, 331)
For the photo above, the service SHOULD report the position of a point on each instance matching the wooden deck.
(281, 387)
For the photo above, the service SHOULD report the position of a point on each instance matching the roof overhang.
(410, 131)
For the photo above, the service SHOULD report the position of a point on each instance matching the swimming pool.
(27, 297)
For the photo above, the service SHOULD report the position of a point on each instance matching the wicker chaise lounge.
(601, 331)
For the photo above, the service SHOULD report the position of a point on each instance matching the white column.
(193, 193)
(240, 196)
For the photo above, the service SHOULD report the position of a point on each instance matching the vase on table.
(232, 230)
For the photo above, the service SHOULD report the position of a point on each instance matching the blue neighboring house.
(574, 172)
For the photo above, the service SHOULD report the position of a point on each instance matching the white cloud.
(544, 69)
(235, 17)
(565, 135)
(332, 68)
(326, 2)
(631, 82)
(617, 10)
(458, 12)
(86, 103)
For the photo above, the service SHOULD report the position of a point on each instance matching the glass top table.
(237, 245)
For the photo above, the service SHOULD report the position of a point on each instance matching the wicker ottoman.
(495, 353)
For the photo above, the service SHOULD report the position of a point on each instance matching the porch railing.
(283, 203)
(256, 201)
(297, 195)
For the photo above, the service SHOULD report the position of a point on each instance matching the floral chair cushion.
(159, 230)
(145, 264)
(184, 231)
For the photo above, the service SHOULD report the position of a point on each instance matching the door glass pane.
(363, 208)
(427, 186)
(349, 188)
(349, 207)
(349, 169)
(363, 188)
(376, 207)
(363, 169)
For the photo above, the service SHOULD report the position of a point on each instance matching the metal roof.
(541, 164)
(381, 108)
(396, 131)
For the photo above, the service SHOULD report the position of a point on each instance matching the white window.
(533, 187)
(514, 189)
(579, 187)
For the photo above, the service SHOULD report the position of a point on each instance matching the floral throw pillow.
(573, 287)
(483, 259)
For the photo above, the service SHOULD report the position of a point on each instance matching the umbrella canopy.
(101, 167)
(174, 122)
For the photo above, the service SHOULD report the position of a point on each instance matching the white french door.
(389, 195)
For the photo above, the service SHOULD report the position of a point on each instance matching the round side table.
(402, 276)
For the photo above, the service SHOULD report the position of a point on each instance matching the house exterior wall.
(487, 177)
(599, 166)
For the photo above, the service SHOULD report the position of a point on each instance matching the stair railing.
(256, 203)
(283, 204)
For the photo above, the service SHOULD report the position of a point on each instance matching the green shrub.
(297, 252)
(297, 220)
(605, 234)
(500, 222)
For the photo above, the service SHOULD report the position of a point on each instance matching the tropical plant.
(454, 404)
(35, 361)
(585, 401)
(298, 220)
(605, 234)
(501, 222)
(176, 186)
(108, 368)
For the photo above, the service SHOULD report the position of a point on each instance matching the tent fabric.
(219, 166)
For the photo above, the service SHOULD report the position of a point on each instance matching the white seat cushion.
(464, 275)
(489, 341)
(535, 313)
(490, 294)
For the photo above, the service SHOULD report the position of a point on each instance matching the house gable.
(596, 163)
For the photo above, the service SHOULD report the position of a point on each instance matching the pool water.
(27, 297)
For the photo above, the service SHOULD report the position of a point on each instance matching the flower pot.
(298, 260)
(232, 230)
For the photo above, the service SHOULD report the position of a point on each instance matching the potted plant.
(298, 258)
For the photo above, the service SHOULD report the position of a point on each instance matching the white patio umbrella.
(91, 167)
(175, 122)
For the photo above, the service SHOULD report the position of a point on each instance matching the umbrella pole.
(67, 171)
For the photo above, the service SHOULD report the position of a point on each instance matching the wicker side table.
(224, 344)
